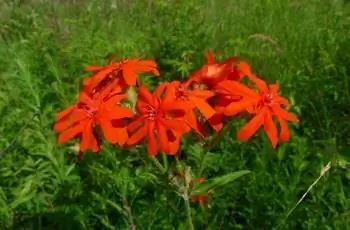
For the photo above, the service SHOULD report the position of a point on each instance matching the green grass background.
(302, 44)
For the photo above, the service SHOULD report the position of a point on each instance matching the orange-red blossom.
(160, 119)
(173, 109)
(83, 118)
(264, 104)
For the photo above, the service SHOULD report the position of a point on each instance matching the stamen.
(91, 112)
(181, 93)
(267, 98)
(151, 113)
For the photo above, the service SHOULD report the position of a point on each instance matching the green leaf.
(217, 182)
(104, 220)
(69, 170)
(22, 200)
(116, 206)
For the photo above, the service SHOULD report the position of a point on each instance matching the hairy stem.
(188, 210)
(187, 198)
(127, 208)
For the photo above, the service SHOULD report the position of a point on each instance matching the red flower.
(81, 119)
(212, 73)
(223, 100)
(194, 99)
(265, 105)
(160, 119)
(125, 70)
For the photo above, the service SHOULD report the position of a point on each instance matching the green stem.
(188, 210)
(165, 161)
(185, 195)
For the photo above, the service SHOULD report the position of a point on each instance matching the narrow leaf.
(217, 182)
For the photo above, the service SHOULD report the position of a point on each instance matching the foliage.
(44, 47)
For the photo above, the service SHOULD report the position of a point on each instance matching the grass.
(304, 45)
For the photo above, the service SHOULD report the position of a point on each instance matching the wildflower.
(81, 119)
(223, 100)
(194, 99)
(244, 70)
(212, 73)
(160, 120)
(264, 104)
(125, 70)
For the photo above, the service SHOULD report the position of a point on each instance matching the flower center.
(199, 86)
(181, 93)
(267, 98)
(151, 113)
(91, 112)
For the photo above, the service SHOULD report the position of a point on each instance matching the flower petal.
(235, 88)
(152, 146)
(281, 100)
(111, 102)
(244, 68)
(284, 114)
(71, 133)
(93, 68)
(194, 124)
(168, 107)
(147, 66)
(210, 57)
(117, 132)
(252, 127)
(174, 142)
(123, 136)
(158, 92)
(101, 75)
(270, 129)
(178, 125)
(136, 123)
(117, 112)
(236, 107)
(234, 74)
(89, 140)
(205, 94)
(137, 136)
(77, 115)
(129, 73)
(206, 110)
(66, 112)
(216, 122)
(85, 99)
(145, 95)
(113, 134)
(162, 137)
(284, 133)
(170, 93)
(274, 88)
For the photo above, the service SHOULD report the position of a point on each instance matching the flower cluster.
(174, 108)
